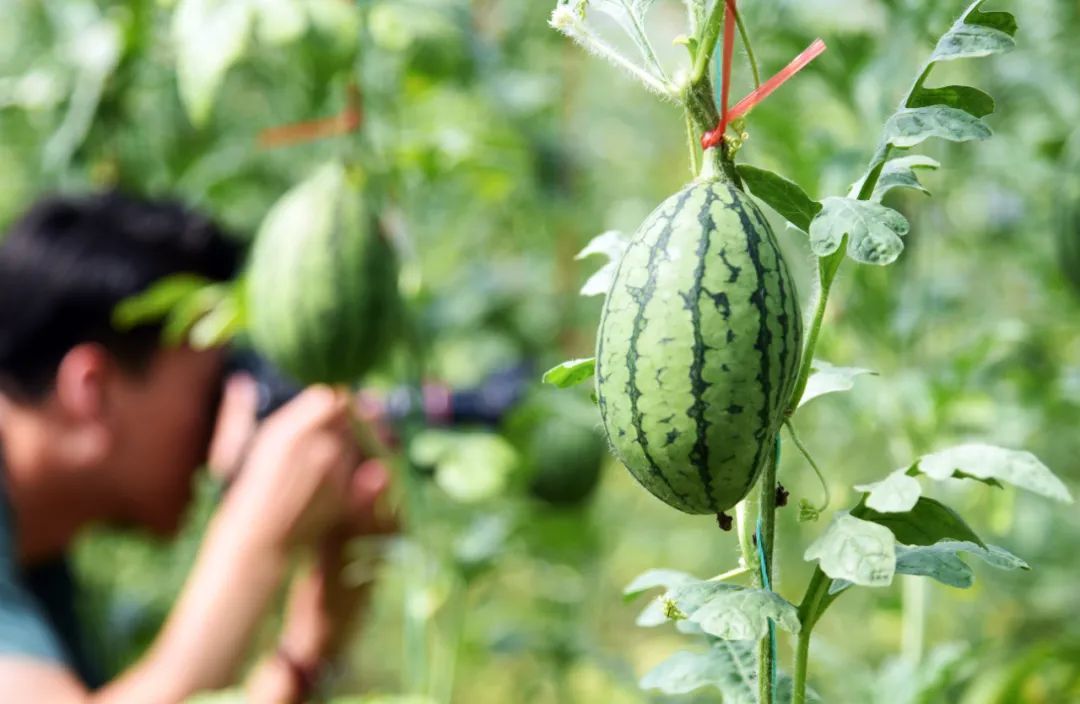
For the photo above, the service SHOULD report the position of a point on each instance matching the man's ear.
(81, 380)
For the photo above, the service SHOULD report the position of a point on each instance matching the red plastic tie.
(713, 137)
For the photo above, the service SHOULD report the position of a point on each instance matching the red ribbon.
(713, 137)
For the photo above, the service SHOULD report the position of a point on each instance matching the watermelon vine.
(701, 355)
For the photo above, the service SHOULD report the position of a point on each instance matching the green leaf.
(873, 229)
(611, 244)
(896, 493)
(928, 522)
(732, 612)
(828, 379)
(986, 462)
(210, 36)
(780, 194)
(900, 173)
(153, 306)
(970, 100)
(571, 373)
(973, 40)
(941, 561)
(280, 21)
(1001, 21)
(910, 126)
(191, 309)
(218, 325)
(651, 579)
(861, 552)
(730, 667)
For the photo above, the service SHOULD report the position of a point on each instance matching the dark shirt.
(37, 607)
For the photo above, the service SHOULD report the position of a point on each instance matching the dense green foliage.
(509, 150)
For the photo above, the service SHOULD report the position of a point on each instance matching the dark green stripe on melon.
(322, 282)
(698, 348)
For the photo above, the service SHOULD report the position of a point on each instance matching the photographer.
(98, 426)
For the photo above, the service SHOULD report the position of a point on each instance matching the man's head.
(116, 405)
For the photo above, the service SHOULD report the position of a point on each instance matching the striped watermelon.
(322, 282)
(698, 348)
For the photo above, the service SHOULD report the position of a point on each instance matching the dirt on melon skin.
(698, 348)
(322, 283)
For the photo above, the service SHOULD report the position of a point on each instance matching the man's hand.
(294, 484)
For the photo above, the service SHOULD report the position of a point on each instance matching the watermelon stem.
(766, 533)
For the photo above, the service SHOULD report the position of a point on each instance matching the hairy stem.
(745, 38)
(709, 36)
(827, 268)
(577, 30)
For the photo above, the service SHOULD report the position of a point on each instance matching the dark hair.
(68, 261)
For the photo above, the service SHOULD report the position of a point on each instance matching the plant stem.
(827, 268)
(767, 513)
(745, 37)
(691, 144)
(590, 41)
(710, 35)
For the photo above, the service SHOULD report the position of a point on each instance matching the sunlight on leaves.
(1017, 467)
(895, 493)
(732, 612)
(911, 126)
(858, 551)
(941, 561)
(729, 667)
(925, 524)
(874, 230)
(827, 379)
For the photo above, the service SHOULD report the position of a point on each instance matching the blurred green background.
(507, 149)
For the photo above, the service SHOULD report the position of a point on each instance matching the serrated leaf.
(928, 522)
(210, 36)
(861, 552)
(941, 561)
(571, 373)
(730, 667)
(874, 231)
(970, 100)
(910, 126)
(611, 244)
(651, 579)
(153, 305)
(896, 493)
(827, 379)
(1017, 467)
(780, 194)
(900, 173)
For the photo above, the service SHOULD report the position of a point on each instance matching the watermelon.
(322, 282)
(561, 444)
(698, 348)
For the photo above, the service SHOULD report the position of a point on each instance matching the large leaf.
(611, 244)
(928, 522)
(941, 561)
(873, 229)
(911, 126)
(861, 552)
(981, 461)
(210, 36)
(828, 379)
(976, 34)
(780, 194)
(730, 667)
(732, 612)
